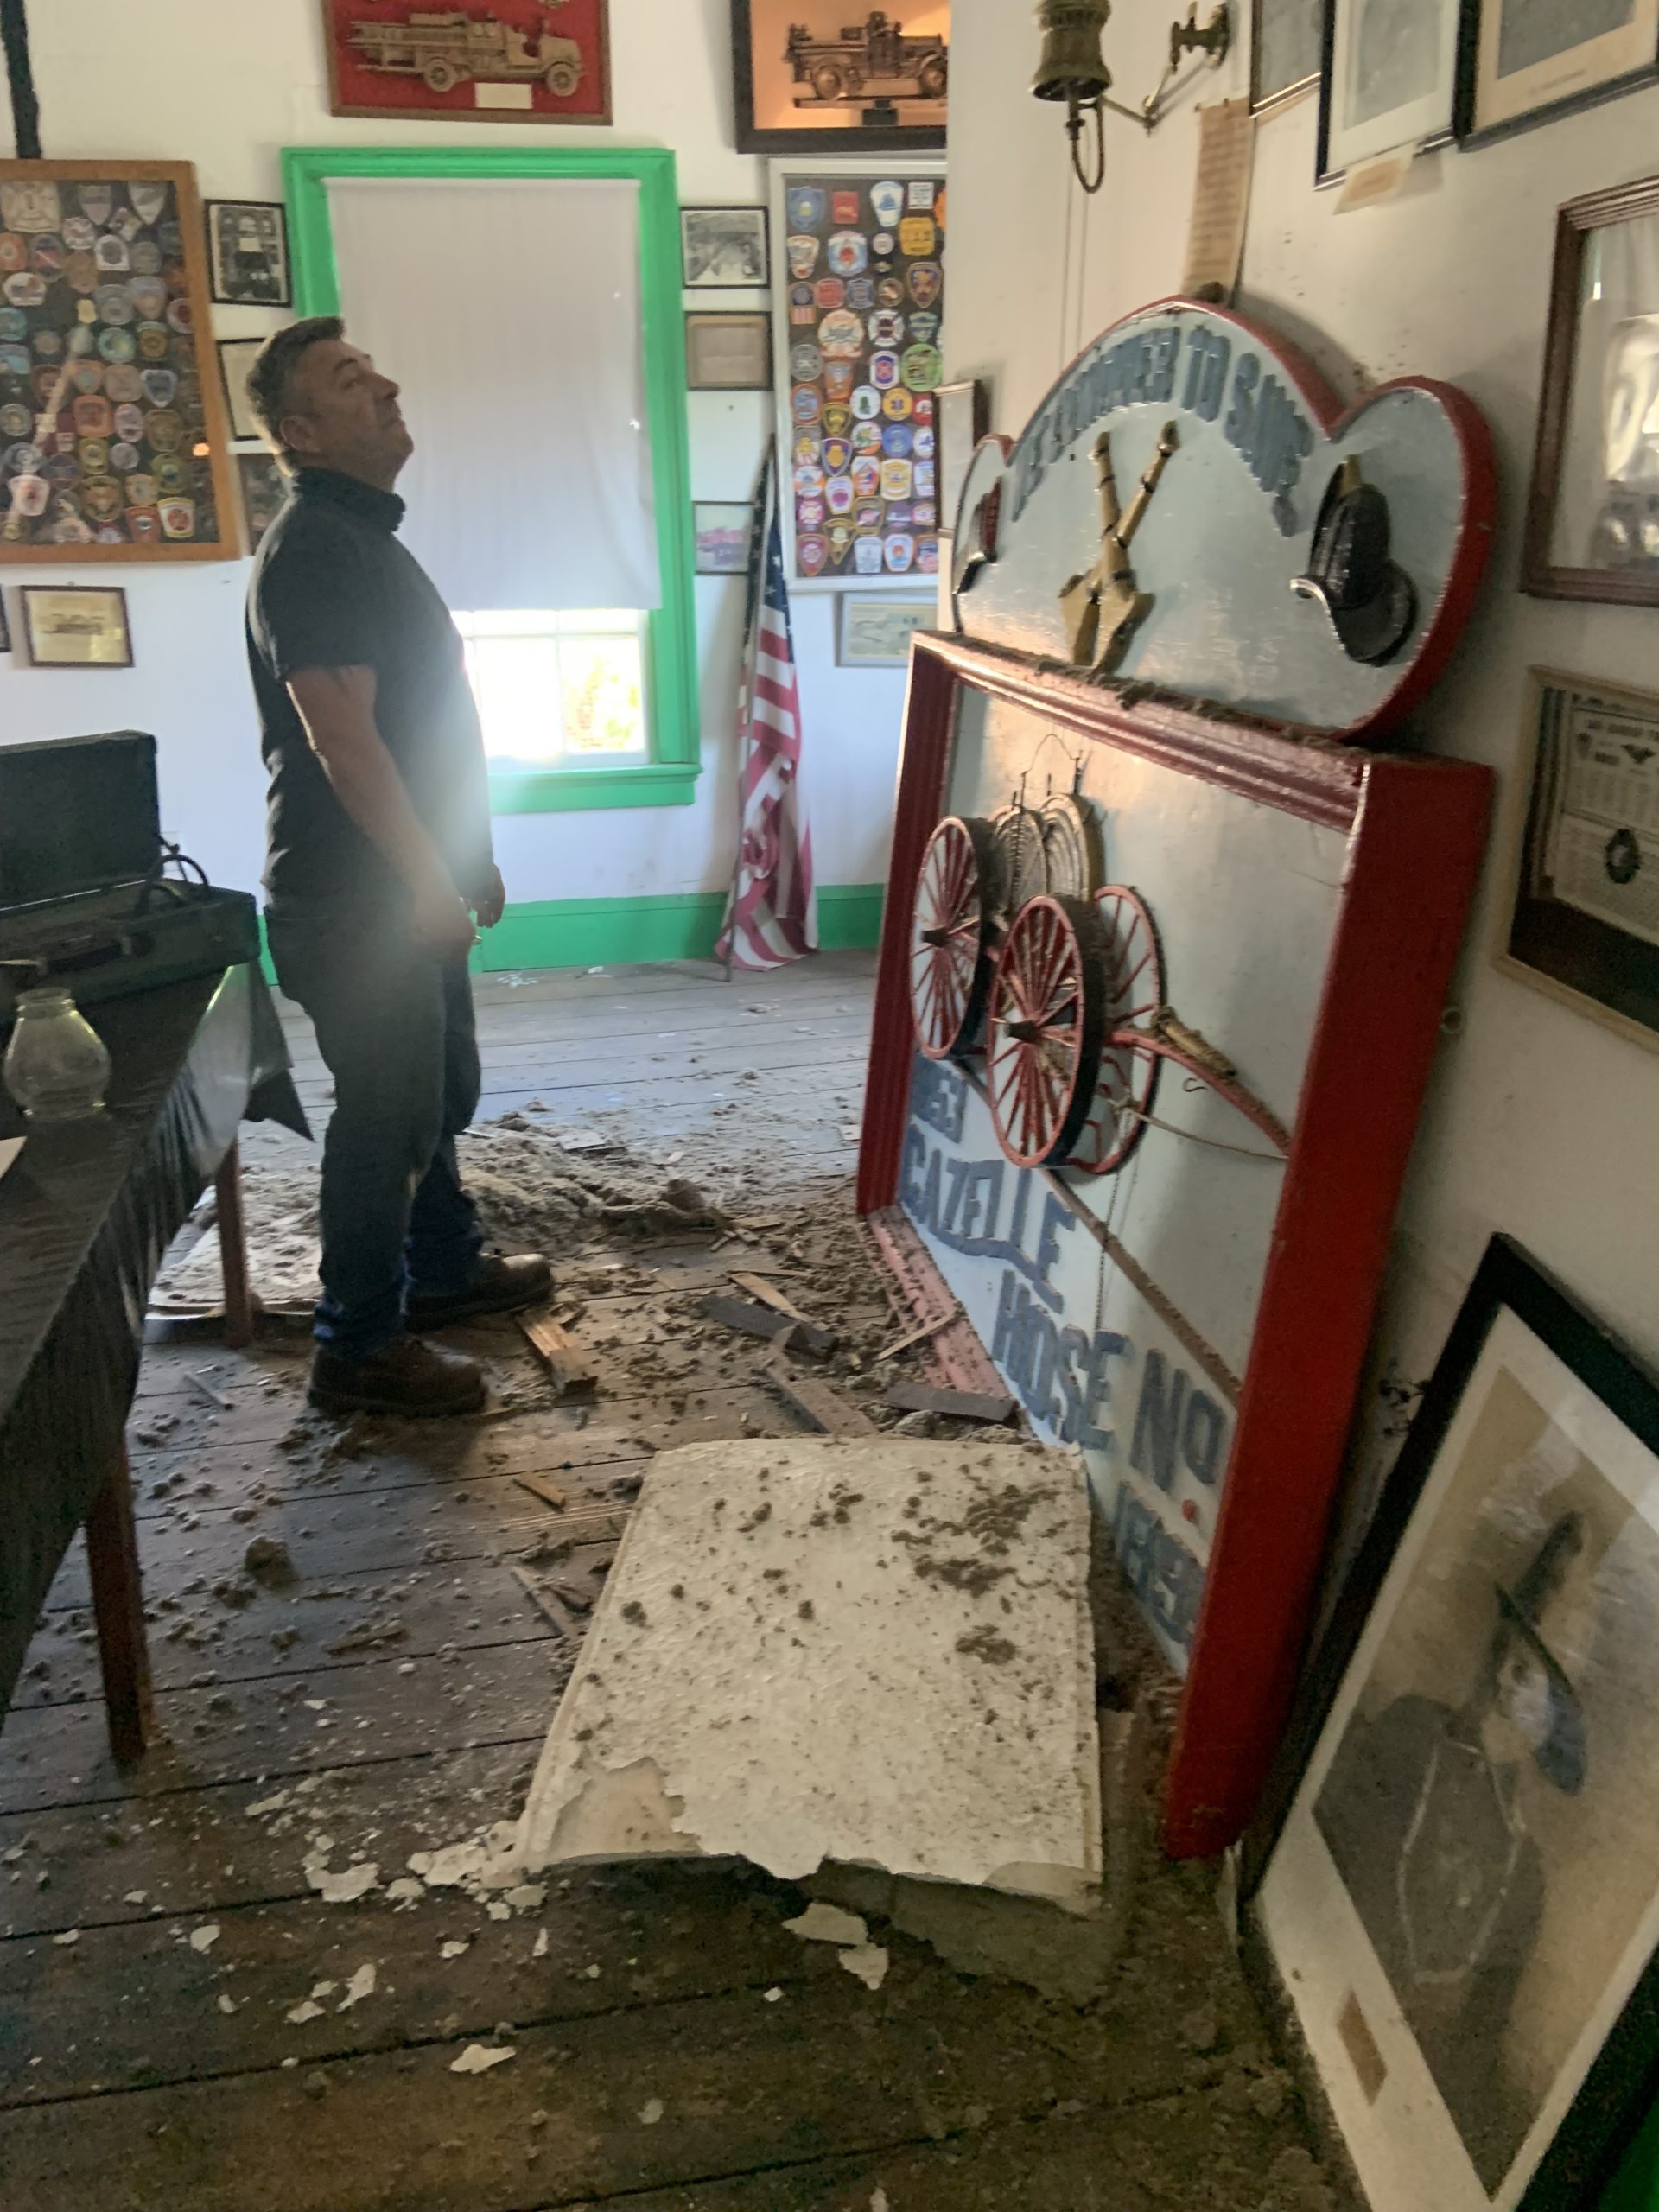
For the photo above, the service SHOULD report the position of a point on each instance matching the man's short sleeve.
(314, 603)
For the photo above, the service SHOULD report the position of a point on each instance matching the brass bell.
(1072, 68)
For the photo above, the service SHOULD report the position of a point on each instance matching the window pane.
(558, 690)
(603, 710)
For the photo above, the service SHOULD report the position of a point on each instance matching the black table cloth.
(87, 1213)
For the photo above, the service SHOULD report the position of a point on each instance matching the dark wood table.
(87, 1213)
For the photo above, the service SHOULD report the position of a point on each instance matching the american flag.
(772, 916)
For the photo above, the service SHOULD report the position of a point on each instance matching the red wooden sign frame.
(1415, 831)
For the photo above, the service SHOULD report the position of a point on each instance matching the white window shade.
(509, 314)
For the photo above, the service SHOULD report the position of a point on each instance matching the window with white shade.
(528, 305)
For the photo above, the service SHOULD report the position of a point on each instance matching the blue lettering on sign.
(1165, 1576)
(960, 1202)
(1062, 1375)
(1265, 423)
(1176, 1425)
(938, 1097)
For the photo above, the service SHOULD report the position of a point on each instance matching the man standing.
(379, 857)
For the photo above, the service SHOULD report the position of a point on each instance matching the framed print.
(725, 249)
(1528, 64)
(1390, 79)
(807, 80)
(76, 625)
(1461, 1902)
(964, 419)
(247, 252)
(264, 486)
(722, 529)
(1592, 513)
(728, 353)
(236, 357)
(860, 326)
(1286, 44)
(875, 630)
(515, 62)
(1582, 922)
(103, 316)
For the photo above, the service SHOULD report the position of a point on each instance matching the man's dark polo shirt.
(331, 588)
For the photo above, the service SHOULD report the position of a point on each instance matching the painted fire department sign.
(1191, 507)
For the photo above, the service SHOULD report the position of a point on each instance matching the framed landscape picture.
(1460, 1901)
(722, 532)
(816, 76)
(103, 348)
(1390, 79)
(1528, 64)
(725, 249)
(247, 251)
(516, 61)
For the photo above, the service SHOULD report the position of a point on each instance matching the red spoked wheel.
(1047, 1017)
(1128, 1067)
(950, 937)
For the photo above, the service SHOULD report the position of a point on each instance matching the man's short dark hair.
(273, 369)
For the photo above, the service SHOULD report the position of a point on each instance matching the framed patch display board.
(859, 305)
(1157, 999)
(511, 61)
(112, 437)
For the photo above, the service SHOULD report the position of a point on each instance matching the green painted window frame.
(669, 777)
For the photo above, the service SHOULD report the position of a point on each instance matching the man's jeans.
(395, 1030)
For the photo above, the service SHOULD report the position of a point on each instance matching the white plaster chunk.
(868, 1961)
(478, 2058)
(873, 1653)
(828, 1923)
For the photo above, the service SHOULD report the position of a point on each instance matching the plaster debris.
(868, 1961)
(539, 1948)
(734, 1723)
(650, 2111)
(827, 1924)
(360, 1985)
(405, 1892)
(878, 2202)
(203, 1939)
(309, 2009)
(774, 1996)
(454, 1950)
(69, 1935)
(478, 2058)
(345, 1887)
(227, 2004)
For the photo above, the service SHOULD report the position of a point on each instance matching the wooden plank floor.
(185, 2018)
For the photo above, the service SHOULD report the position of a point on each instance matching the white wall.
(226, 83)
(1540, 1122)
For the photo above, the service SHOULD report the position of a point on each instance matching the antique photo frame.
(1389, 77)
(96, 613)
(728, 351)
(1287, 50)
(1444, 1884)
(874, 629)
(725, 249)
(254, 234)
(1592, 513)
(236, 358)
(1514, 76)
(722, 532)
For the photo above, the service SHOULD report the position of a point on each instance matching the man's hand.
(492, 902)
(443, 927)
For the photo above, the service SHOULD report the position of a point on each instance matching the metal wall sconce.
(1073, 69)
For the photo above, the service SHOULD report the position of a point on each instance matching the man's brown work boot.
(496, 1286)
(409, 1377)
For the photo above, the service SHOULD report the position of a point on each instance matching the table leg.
(118, 1609)
(233, 1251)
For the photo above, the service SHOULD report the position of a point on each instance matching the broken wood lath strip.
(954, 1353)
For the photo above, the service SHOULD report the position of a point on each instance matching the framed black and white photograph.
(875, 629)
(1286, 41)
(728, 353)
(1593, 514)
(725, 249)
(1530, 60)
(76, 625)
(236, 357)
(1582, 922)
(1390, 79)
(247, 252)
(1461, 1901)
(722, 529)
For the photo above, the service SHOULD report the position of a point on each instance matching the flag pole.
(758, 527)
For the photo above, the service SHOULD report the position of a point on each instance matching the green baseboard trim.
(623, 932)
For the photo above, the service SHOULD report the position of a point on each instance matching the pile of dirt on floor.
(533, 1193)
